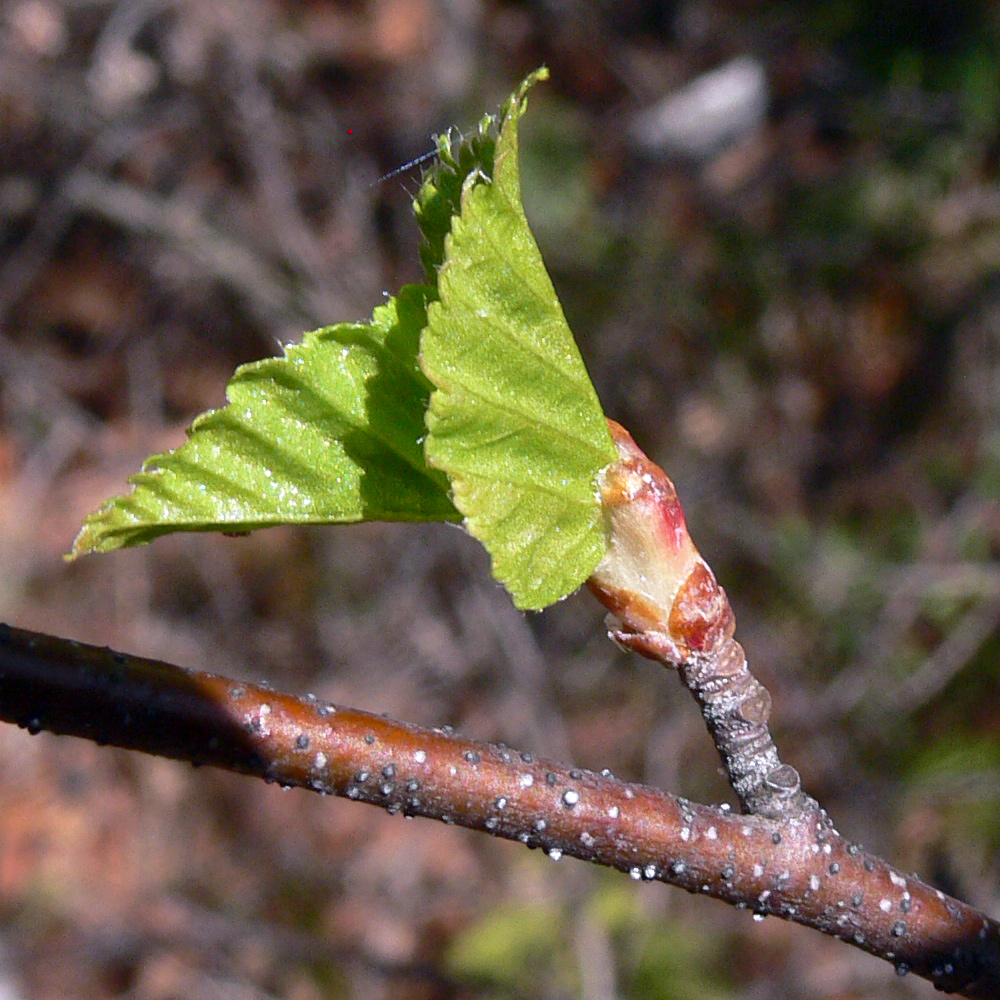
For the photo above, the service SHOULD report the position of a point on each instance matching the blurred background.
(775, 229)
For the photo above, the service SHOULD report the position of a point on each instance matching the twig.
(797, 868)
(666, 605)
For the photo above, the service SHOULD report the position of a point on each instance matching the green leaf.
(514, 420)
(332, 431)
(328, 433)
(440, 196)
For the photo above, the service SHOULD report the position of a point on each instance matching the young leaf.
(440, 196)
(514, 420)
(328, 433)
(332, 431)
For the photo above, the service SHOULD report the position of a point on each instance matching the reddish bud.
(652, 577)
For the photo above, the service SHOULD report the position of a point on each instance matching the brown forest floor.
(803, 327)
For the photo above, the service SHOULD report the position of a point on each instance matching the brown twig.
(797, 868)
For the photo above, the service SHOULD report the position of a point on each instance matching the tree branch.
(800, 869)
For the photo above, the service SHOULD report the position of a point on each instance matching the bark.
(795, 866)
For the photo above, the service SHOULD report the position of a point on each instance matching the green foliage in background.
(522, 951)
(513, 950)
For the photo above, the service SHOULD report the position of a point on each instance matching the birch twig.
(795, 867)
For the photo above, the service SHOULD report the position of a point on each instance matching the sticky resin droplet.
(570, 798)
(420, 756)
(635, 873)
(555, 853)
